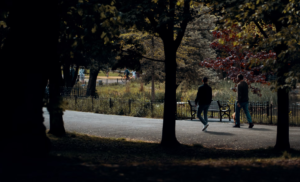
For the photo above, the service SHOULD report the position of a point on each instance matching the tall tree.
(195, 47)
(283, 16)
(168, 19)
(25, 119)
(99, 43)
(79, 40)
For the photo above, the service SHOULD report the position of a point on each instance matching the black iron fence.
(261, 112)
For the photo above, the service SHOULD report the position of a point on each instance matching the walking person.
(203, 99)
(81, 74)
(242, 102)
(133, 74)
(126, 73)
(72, 72)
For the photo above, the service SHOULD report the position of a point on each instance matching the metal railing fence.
(261, 112)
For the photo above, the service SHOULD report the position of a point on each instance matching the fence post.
(75, 101)
(117, 80)
(109, 102)
(129, 104)
(106, 81)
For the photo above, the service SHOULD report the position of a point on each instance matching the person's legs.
(205, 108)
(237, 114)
(244, 105)
(233, 116)
(200, 109)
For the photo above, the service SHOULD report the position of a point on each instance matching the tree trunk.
(75, 76)
(282, 140)
(176, 86)
(169, 122)
(22, 131)
(91, 88)
(54, 107)
(67, 76)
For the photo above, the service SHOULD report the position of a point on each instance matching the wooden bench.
(215, 106)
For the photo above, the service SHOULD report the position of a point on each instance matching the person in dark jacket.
(203, 99)
(126, 73)
(242, 102)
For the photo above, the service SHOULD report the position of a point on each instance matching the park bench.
(215, 106)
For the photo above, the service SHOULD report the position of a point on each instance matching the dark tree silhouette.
(167, 19)
(30, 50)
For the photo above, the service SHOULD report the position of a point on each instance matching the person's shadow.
(260, 129)
(218, 133)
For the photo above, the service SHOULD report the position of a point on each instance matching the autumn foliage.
(238, 60)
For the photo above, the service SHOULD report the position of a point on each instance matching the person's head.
(240, 77)
(204, 80)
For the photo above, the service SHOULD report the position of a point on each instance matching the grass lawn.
(110, 74)
(79, 157)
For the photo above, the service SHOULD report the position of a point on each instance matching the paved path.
(219, 135)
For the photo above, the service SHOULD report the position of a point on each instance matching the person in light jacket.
(81, 74)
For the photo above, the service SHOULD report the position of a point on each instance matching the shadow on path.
(218, 133)
(261, 129)
(258, 129)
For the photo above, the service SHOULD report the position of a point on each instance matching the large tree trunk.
(67, 76)
(73, 81)
(282, 140)
(22, 130)
(169, 122)
(55, 101)
(91, 88)
(176, 86)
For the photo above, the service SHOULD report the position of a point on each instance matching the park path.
(218, 135)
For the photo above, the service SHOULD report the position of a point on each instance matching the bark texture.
(91, 88)
(29, 52)
(282, 138)
(169, 118)
(55, 103)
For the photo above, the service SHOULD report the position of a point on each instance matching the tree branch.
(153, 59)
(197, 16)
(261, 30)
(147, 57)
(154, 24)
(184, 23)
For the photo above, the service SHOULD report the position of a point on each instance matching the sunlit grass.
(133, 99)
